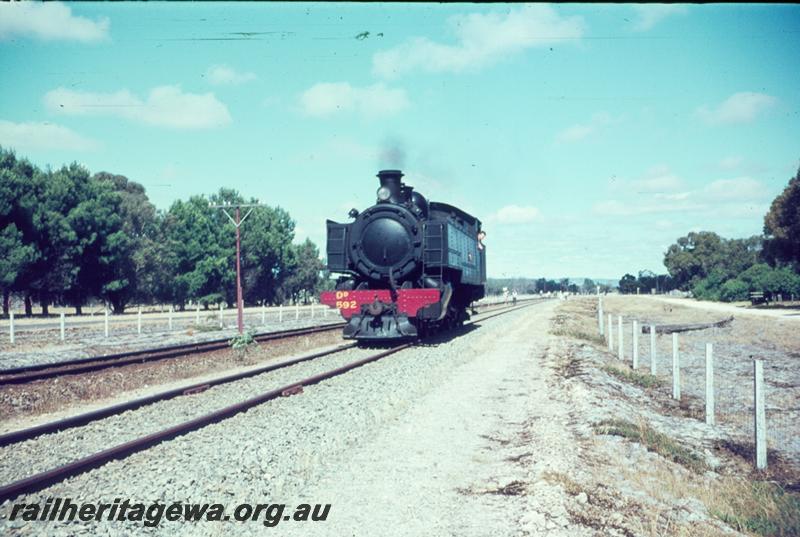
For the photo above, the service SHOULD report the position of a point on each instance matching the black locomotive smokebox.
(386, 242)
(385, 237)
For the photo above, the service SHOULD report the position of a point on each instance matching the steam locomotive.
(409, 267)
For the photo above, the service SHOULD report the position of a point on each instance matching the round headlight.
(384, 193)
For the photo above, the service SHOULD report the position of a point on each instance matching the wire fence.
(105, 325)
(751, 392)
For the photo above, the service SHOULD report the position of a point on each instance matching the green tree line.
(531, 286)
(716, 268)
(69, 237)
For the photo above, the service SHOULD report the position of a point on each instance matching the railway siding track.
(82, 464)
(85, 463)
(32, 373)
(43, 371)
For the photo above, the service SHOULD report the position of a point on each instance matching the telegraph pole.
(237, 222)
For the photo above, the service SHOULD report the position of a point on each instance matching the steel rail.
(88, 417)
(26, 374)
(42, 480)
(39, 481)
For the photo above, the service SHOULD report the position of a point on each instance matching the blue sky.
(587, 138)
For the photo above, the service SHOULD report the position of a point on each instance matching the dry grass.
(629, 375)
(754, 507)
(601, 502)
(653, 441)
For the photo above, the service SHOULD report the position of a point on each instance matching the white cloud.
(738, 189)
(514, 214)
(619, 208)
(222, 75)
(658, 179)
(723, 198)
(574, 133)
(730, 162)
(328, 98)
(49, 21)
(651, 14)
(742, 107)
(578, 132)
(482, 39)
(165, 106)
(33, 136)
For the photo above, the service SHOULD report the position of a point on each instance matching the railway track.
(44, 479)
(23, 375)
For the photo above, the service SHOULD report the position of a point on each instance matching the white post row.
(610, 334)
(105, 322)
(676, 370)
(653, 350)
(600, 314)
(635, 344)
(139, 321)
(760, 415)
(62, 327)
(620, 348)
(11, 326)
(709, 384)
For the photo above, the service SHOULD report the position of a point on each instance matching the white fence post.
(676, 370)
(105, 322)
(139, 321)
(760, 415)
(653, 349)
(635, 344)
(171, 310)
(62, 327)
(600, 314)
(197, 314)
(709, 384)
(280, 313)
(221, 324)
(610, 334)
(11, 326)
(296, 311)
(620, 348)
(263, 315)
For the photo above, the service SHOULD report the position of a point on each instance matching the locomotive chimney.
(390, 179)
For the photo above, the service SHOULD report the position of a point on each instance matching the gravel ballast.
(270, 453)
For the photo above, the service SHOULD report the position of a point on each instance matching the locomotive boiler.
(408, 267)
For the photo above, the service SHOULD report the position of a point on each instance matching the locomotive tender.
(409, 267)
